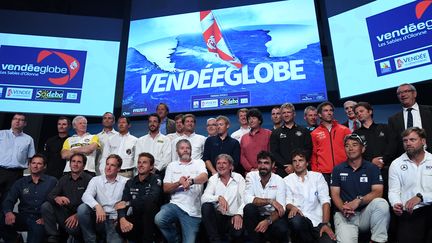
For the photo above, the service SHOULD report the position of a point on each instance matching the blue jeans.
(167, 218)
(89, 227)
(23, 222)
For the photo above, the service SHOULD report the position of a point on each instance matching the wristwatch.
(191, 181)
(419, 195)
(360, 198)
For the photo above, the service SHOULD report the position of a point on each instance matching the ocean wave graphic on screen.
(71, 62)
(421, 7)
(214, 39)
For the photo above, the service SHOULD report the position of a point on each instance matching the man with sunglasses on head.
(356, 190)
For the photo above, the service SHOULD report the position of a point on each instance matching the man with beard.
(307, 202)
(327, 142)
(141, 197)
(356, 191)
(156, 144)
(63, 201)
(122, 144)
(53, 147)
(410, 187)
(31, 191)
(184, 180)
(221, 144)
(197, 141)
(264, 199)
(222, 202)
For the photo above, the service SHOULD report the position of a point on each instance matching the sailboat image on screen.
(214, 39)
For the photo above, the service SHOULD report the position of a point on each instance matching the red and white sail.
(214, 39)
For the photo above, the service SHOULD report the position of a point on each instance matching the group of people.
(324, 182)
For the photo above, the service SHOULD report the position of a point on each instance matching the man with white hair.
(81, 142)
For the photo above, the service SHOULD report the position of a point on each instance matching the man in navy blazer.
(421, 117)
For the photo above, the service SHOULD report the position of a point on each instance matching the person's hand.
(409, 205)
(398, 209)
(184, 182)
(279, 208)
(326, 229)
(10, 218)
(237, 221)
(61, 200)
(262, 226)
(72, 221)
(294, 211)
(100, 214)
(125, 225)
(223, 205)
(378, 161)
(40, 221)
(348, 209)
(120, 205)
(289, 168)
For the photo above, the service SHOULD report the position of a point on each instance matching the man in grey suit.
(412, 115)
(167, 125)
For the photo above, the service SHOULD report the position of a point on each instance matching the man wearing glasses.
(412, 115)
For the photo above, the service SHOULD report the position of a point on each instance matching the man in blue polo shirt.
(356, 191)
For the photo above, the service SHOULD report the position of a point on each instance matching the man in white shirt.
(156, 144)
(184, 180)
(223, 202)
(108, 120)
(307, 202)
(265, 197)
(122, 144)
(81, 142)
(410, 187)
(197, 141)
(244, 125)
(97, 213)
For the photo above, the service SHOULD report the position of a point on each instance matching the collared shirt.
(350, 124)
(163, 125)
(103, 136)
(79, 141)
(197, 141)
(353, 183)
(52, 150)
(416, 116)
(122, 145)
(30, 195)
(189, 200)
(239, 133)
(251, 145)
(406, 179)
(15, 149)
(233, 192)
(215, 145)
(107, 194)
(274, 189)
(173, 136)
(159, 147)
(139, 192)
(377, 138)
(284, 140)
(308, 195)
(70, 188)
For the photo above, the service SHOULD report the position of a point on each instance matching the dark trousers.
(23, 222)
(414, 227)
(7, 179)
(304, 231)
(219, 227)
(276, 232)
(54, 215)
(142, 218)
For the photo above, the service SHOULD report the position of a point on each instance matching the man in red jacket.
(328, 141)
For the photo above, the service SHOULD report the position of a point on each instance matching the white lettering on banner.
(217, 77)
